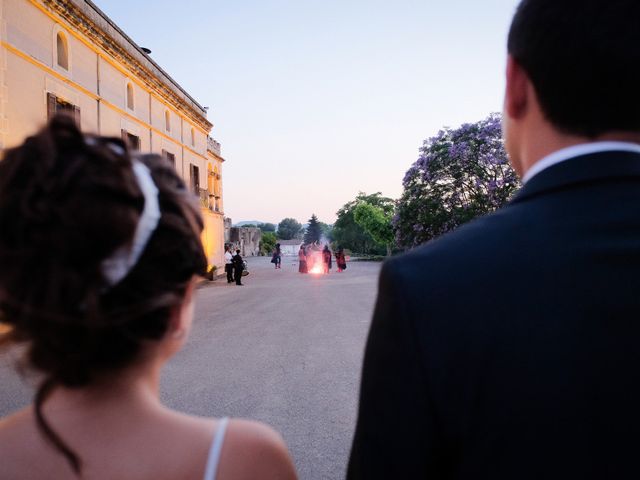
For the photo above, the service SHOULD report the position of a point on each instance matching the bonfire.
(315, 264)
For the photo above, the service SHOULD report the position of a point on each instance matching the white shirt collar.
(577, 151)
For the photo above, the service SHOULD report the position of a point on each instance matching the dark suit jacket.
(510, 348)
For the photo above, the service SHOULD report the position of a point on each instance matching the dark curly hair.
(67, 202)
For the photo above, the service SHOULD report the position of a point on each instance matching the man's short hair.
(583, 58)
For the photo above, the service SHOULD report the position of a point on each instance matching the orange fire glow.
(316, 269)
(315, 263)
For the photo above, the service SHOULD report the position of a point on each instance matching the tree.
(313, 232)
(461, 174)
(268, 243)
(327, 231)
(376, 223)
(267, 227)
(348, 234)
(288, 228)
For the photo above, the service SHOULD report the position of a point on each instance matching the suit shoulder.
(466, 250)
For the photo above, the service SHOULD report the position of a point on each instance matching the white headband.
(118, 266)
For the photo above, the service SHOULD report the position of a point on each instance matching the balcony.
(210, 201)
(213, 146)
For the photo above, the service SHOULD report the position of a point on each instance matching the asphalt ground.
(285, 349)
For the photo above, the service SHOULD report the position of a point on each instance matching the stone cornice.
(91, 22)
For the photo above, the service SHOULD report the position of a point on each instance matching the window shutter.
(169, 156)
(195, 180)
(51, 105)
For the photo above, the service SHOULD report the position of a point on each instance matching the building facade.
(245, 239)
(68, 55)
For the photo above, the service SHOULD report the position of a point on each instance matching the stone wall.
(247, 239)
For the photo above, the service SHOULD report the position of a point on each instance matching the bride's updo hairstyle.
(70, 204)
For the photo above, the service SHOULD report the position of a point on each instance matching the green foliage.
(268, 243)
(327, 231)
(313, 232)
(348, 234)
(375, 222)
(288, 228)
(267, 227)
(369, 258)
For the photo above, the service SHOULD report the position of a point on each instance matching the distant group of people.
(312, 258)
(233, 266)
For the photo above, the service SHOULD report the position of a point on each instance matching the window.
(210, 179)
(170, 157)
(211, 199)
(167, 121)
(216, 182)
(130, 139)
(193, 137)
(195, 178)
(62, 50)
(130, 104)
(56, 105)
(216, 189)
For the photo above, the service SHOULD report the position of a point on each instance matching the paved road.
(285, 349)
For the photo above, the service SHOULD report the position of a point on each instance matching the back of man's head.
(583, 58)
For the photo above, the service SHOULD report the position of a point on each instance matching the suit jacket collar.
(590, 168)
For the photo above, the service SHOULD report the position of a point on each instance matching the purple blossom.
(460, 173)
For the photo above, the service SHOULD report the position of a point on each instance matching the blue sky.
(314, 101)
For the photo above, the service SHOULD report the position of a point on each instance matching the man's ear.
(516, 99)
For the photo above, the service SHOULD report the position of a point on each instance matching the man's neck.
(551, 141)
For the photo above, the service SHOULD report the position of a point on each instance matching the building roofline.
(143, 54)
(94, 24)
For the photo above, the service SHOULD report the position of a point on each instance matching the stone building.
(68, 55)
(247, 239)
(290, 247)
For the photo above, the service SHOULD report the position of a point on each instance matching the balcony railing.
(209, 200)
(213, 146)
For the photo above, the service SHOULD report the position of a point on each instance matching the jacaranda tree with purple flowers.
(461, 174)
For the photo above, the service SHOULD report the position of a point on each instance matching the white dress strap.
(214, 452)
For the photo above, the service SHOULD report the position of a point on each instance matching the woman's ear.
(182, 315)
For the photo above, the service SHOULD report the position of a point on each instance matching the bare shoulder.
(15, 428)
(18, 439)
(253, 450)
(253, 432)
